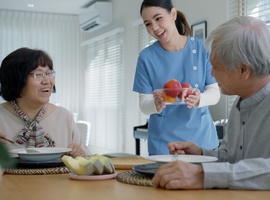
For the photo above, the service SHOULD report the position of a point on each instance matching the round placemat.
(40, 171)
(134, 178)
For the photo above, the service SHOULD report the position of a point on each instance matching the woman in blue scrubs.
(175, 55)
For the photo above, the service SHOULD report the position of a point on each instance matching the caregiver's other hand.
(193, 100)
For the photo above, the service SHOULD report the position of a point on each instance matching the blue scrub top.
(155, 66)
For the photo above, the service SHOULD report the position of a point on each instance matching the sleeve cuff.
(210, 96)
(147, 104)
(216, 175)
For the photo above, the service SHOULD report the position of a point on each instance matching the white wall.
(125, 13)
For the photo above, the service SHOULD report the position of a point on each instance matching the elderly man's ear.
(245, 71)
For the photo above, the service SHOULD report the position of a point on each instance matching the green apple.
(73, 165)
(89, 168)
(81, 159)
(94, 165)
(98, 166)
(107, 164)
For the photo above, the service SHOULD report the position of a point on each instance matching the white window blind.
(259, 9)
(144, 39)
(254, 8)
(104, 94)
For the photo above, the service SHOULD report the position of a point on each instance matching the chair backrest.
(84, 128)
(221, 127)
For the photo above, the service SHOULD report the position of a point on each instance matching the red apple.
(167, 98)
(186, 91)
(172, 88)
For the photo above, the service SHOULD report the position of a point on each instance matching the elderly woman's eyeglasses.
(39, 75)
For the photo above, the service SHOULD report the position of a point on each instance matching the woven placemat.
(134, 178)
(40, 171)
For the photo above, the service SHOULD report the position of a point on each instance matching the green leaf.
(6, 161)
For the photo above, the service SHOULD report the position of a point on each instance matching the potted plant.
(6, 161)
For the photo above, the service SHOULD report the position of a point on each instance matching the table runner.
(134, 178)
(39, 171)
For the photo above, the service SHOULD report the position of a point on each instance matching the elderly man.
(240, 56)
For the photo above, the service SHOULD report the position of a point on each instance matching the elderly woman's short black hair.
(16, 67)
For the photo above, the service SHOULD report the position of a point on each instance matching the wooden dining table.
(62, 187)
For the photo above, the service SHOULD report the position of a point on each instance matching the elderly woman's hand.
(76, 151)
(3, 135)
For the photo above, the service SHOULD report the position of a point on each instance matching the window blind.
(144, 39)
(103, 101)
(255, 8)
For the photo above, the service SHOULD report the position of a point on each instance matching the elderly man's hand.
(184, 148)
(179, 175)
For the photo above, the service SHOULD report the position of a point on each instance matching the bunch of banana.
(94, 165)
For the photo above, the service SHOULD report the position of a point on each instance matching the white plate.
(44, 154)
(92, 177)
(186, 158)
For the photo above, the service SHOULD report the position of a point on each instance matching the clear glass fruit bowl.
(175, 96)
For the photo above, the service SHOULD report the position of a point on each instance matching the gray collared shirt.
(244, 153)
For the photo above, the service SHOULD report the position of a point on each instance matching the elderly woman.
(27, 81)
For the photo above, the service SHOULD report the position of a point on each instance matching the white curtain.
(60, 37)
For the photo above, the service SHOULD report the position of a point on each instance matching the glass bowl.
(175, 96)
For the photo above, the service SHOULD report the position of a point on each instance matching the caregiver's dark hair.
(15, 69)
(180, 22)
